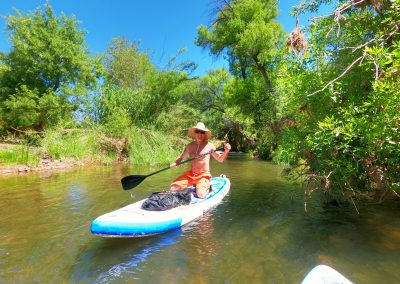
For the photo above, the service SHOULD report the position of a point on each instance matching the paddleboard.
(133, 221)
(323, 274)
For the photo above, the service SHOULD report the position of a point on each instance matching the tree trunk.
(263, 71)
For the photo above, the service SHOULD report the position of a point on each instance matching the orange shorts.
(189, 179)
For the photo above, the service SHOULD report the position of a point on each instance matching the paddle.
(132, 181)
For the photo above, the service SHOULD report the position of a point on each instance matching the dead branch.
(27, 131)
(339, 11)
(340, 76)
(361, 58)
(382, 38)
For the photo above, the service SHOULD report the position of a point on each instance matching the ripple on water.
(259, 233)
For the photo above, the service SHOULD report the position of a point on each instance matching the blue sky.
(163, 27)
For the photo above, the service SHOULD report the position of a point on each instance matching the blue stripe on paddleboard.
(133, 229)
(115, 228)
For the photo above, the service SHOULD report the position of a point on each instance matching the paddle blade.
(130, 182)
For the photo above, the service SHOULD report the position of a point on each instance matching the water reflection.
(134, 260)
(202, 247)
(259, 234)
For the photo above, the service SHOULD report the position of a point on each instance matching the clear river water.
(260, 233)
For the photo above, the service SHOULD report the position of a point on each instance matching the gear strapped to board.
(164, 200)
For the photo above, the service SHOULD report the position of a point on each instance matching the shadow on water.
(276, 239)
(339, 237)
(260, 233)
(110, 259)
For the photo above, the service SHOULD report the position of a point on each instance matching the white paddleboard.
(323, 274)
(133, 221)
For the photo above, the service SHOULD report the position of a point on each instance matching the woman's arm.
(221, 157)
(180, 158)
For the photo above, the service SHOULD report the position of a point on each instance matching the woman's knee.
(174, 188)
(178, 185)
(202, 188)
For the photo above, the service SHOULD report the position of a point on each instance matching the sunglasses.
(199, 131)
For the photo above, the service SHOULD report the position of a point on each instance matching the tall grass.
(79, 145)
(153, 147)
(19, 154)
(145, 146)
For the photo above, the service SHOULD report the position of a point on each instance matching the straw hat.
(199, 126)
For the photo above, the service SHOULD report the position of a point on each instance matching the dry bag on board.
(164, 200)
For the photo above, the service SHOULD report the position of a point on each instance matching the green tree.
(47, 71)
(206, 93)
(343, 99)
(207, 96)
(126, 65)
(247, 31)
(135, 87)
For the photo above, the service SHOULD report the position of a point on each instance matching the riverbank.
(17, 159)
(61, 149)
(66, 152)
(44, 165)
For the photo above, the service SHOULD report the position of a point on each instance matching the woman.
(199, 175)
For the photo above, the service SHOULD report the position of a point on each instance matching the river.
(260, 233)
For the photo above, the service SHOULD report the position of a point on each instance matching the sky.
(161, 27)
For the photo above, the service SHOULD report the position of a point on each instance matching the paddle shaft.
(194, 158)
(132, 181)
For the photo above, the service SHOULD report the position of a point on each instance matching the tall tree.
(135, 87)
(47, 70)
(247, 31)
(344, 99)
(126, 65)
(206, 94)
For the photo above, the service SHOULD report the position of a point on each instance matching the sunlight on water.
(258, 234)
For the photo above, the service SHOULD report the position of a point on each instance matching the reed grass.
(79, 145)
(152, 147)
(145, 146)
(19, 154)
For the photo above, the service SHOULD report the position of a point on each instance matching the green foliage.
(208, 97)
(252, 108)
(141, 108)
(47, 70)
(19, 154)
(135, 93)
(163, 93)
(126, 65)
(247, 31)
(111, 100)
(152, 147)
(177, 120)
(288, 145)
(77, 144)
(29, 109)
(116, 124)
(136, 102)
(144, 146)
(344, 101)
